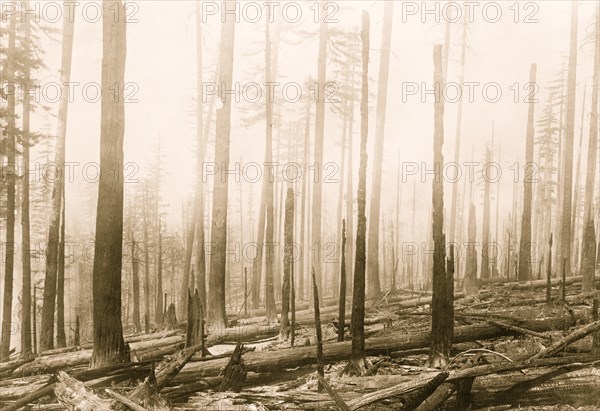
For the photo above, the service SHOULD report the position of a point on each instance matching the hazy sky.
(161, 65)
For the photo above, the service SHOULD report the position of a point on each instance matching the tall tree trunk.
(303, 219)
(187, 265)
(288, 261)
(576, 200)
(338, 220)
(61, 339)
(317, 242)
(10, 195)
(524, 272)
(158, 304)
(453, 205)
(442, 279)
(565, 240)
(270, 229)
(349, 195)
(485, 242)
(470, 283)
(146, 260)
(135, 265)
(109, 346)
(52, 252)
(358, 297)
(342, 304)
(216, 289)
(588, 255)
(26, 351)
(397, 246)
(374, 287)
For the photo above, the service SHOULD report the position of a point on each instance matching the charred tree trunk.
(317, 198)
(187, 265)
(470, 284)
(303, 217)
(10, 198)
(288, 261)
(109, 345)
(342, 304)
(201, 136)
(61, 339)
(270, 230)
(52, 252)
(26, 351)
(485, 242)
(565, 234)
(158, 307)
(463, 53)
(135, 270)
(216, 289)
(442, 279)
(525, 252)
(588, 257)
(350, 197)
(146, 265)
(358, 361)
(374, 287)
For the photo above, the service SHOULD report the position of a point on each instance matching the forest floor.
(512, 351)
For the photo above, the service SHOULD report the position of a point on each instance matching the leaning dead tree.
(109, 345)
(358, 361)
(524, 272)
(442, 318)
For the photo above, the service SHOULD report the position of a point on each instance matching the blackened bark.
(358, 298)
(52, 252)
(288, 261)
(374, 286)
(524, 272)
(216, 289)
(109, 346)
(441, 314)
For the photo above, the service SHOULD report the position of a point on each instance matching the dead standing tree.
(317, 198)
(288, 261)
(358, 363)
(524, 272)
(588, 256)
(109, 345)
(53, 252)
(567, 171)
(442, 318)
(216, 290)
(374, 287)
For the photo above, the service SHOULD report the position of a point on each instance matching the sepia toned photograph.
(299, 205)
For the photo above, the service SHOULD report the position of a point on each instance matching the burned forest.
(316, 205)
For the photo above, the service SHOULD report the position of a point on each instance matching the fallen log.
(438, 397)
(333, 394)
(519, 330)
(74, 395)
(52, 363)
(299, 356)
(394, 391)
(563, 342)
(165, 371)
(124, 400)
